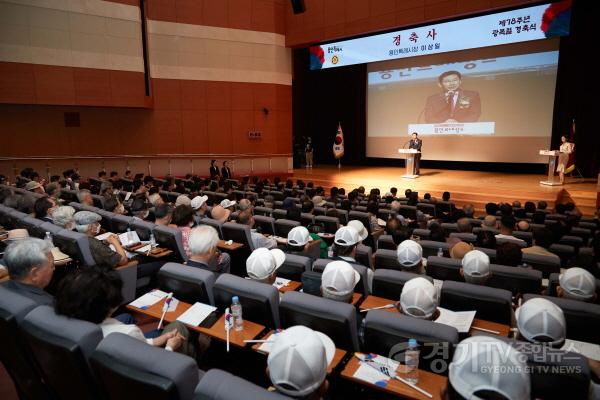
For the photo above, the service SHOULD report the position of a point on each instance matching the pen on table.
(378, 308)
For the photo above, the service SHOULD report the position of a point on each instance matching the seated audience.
(469, 210)
(459, 249)
(509, 254)
(183, 219)
(43, 208)
(258, 239)
(577, 284)
(475, 267)
(489, 223)
(183, 200)
(541, 321)
(218, 213)
(200, 208)
(163, 214)
(85, 197)
(35, 187)
(464, 225)
(542, 240)
(486, 239)
(484, 367)
(63, 217)
(204, 252)
(410, 257)
(262, 264)
(507, 225)
(344, 244)
(88, 222)
(419, 299)
(30, 266)
(298, 361)
(94, 294)
(338, 281)
(299, 242)
(115, 206)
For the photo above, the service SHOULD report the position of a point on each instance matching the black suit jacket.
(214, 171)
(226, 172)
(415, 144)
(467, 108)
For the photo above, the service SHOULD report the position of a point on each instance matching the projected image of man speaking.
(453, 104)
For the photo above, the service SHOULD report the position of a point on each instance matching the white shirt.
(507, 237)
(111, 325)
(260, 240)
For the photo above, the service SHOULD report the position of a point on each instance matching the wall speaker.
(265, 110)
(298, 6)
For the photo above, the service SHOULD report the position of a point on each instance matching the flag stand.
(339, 163)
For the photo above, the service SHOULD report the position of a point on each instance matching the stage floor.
(473, 187)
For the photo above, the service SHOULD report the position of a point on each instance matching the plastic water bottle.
(440, 252)
(236, 311)
(48, 238)
(411, 360)
(152, 240)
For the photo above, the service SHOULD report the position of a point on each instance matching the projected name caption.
(468, 128)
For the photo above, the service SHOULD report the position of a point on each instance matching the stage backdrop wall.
(322, 98)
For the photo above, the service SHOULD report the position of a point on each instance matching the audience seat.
(546, 264)
(335, 319)
(265, 225)
(331, 224)
(465, 237)
(386, 242)
(565, 252)
(362, 217)
(388, 283)
(61, 348)
(14, 351)
(364, 256)
(294, 266)
(422, 234)
(260, 301)
(426, 208)
(491, 304)
(76, 245)
(444, 268)
(128, 368)
(220, 385)
(143, 228)
(388, 333)
(517, 280)
(583, 319)
(387, 259)
(215, 224)
(171, 239)
(431, 247)
(189, 284)
(284, 226)
(265, 211)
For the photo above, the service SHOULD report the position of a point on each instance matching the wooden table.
(292, 286)
(337, 357)
(355, 298)
(504, 330)
(222, 245)
(217, 330)
(430, 382)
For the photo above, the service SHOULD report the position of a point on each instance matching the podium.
(551, 154)
(410, 162)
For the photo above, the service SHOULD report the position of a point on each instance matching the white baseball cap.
(198, 201)
(360, 228)
(540, 320)
(299, 359)
(298, 236)
(339, 279)
(418, 298)
(182, 199)
(485, 363)
(346, 236)
(226, 203)
(476, 264)
(264, 262)
(578, 283)
(409, 253)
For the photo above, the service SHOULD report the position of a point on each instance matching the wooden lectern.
(410, 162)
(552, 154)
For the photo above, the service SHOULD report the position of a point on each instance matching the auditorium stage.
(472, 187)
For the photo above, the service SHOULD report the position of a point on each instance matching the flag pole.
(339, 163)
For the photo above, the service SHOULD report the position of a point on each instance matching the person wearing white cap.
(89, 223)
(183, 199)
(577, 284)
(344, 248)
(200, 207)
(419, 299)
(30, 265)
(298, 242)
(484, 367)
(475, 267)
(262, 264)
(204, 253)
(338, 281)
(541, 321)
(35, 187)
(258, 239)
(226, 203)
(410, 256)
(360, 228)
(298, 361)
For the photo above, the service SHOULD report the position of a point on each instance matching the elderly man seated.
(419, 299)
(30, 265)
(63, 217)
(204, 253)
(85, 197)
(476, 267)
(88, 222)
(410, 257)
(338, 281)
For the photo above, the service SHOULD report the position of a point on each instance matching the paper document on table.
(375, 369)
(149, 299)
(144, 250)
(371, 375)
(129, 238)
(590, 350)
(461, 320)
(266, 347)
(281, 282)
(103, 236)
(196, 314)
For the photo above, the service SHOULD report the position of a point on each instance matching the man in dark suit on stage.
(453, 104)
(214, 170)
(416, 143)
(225, 171)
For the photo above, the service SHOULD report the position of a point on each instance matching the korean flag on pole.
(338, 143)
